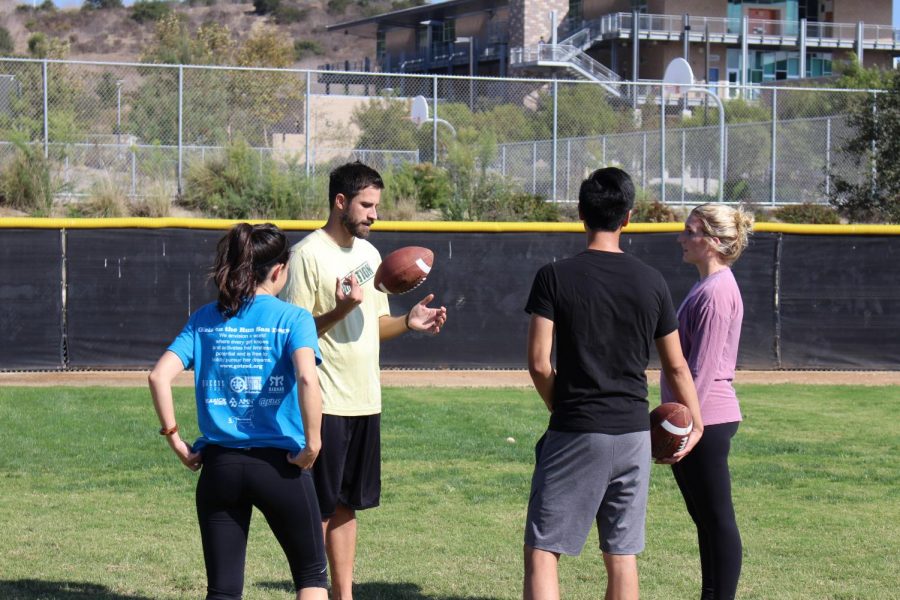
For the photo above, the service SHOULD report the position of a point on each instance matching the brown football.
(670, 427)
(404, 269)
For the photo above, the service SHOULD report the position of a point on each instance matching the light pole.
(119, 111)
(471, 41)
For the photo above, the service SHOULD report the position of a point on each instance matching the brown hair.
(244, 257)
(732, 226)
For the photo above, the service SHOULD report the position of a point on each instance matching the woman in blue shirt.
(259, 411)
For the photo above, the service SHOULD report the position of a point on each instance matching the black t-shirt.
(607, 308)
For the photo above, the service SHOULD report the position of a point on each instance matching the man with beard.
(331, 273)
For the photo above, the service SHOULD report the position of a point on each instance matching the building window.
(379, 45)
(818, 64)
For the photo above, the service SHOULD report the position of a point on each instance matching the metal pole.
(603, 150)
(119, 113)
(774, 146)
(568, 169)
(683, 180)
(503, 161)
(828, 156)
(635, 55)
(308, 120)
(555, 133)
(662, 144)
(434, 120)
(180, 124)
(874, 142)
(133, 173)
(46, 120)
(644, 161)
(534, 168)
(472, 73)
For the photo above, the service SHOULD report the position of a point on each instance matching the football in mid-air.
(670, 427)
(404, 269)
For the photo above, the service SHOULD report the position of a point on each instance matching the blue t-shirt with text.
(244, 376)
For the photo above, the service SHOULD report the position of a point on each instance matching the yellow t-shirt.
(349, 374)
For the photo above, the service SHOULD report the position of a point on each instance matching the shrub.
(101, 4)
(7, 46)
(156, 201)
(47, 6)
(338, 7)
(285, 14)
(145, 11)
(807, 213)
(242, 185)
(26, 182)
(737, 190)
(265, 7)
(304, 48)
(651, 210)
(106, 201)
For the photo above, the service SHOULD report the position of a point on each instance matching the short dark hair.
(350, 179)
(605, 198)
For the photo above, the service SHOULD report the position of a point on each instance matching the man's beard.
(359, 229)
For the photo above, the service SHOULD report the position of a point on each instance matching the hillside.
(112, 35)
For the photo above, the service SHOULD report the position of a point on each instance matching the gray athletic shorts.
(582, 477)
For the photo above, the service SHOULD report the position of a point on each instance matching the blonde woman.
(709, 327)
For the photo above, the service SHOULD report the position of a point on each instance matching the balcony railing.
(618, 25)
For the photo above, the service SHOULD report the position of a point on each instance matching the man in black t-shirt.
(603, 308)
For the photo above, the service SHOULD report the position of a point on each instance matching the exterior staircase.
(570, 54)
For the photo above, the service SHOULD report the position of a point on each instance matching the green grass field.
(95, 506)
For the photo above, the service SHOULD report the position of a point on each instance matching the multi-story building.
(736, 41)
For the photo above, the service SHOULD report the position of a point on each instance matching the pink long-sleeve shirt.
(709, 326)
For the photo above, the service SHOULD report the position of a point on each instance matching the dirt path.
(443, 378)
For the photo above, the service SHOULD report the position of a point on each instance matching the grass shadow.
(35, 589)
(380, 590)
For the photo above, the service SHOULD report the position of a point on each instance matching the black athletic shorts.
(348, 468)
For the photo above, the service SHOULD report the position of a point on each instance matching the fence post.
(644, 162)
(503, 161)
(534, 168)
(874, 142)
(603, 151)
(180, 123)
(46, 120)
(133, 172)
(683, 180)
(828, 156)
(662, 144)
(568, 169)
(307, 119)
(434, 121)
(772, 170)
(555, 133)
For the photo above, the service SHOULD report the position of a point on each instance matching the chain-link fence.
(156, 127)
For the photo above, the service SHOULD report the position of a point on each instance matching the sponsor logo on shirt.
(269, 401)
(251, 383)
(213, 384)
(276, 383)
(217, 401)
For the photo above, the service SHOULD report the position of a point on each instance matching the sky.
(67, 3)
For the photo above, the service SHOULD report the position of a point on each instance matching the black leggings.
(705, 483)
(231, 483)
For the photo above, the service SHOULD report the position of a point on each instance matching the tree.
(101, 4)
(874, 194)
(7, 47)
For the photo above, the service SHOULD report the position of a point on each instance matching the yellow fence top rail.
(422, 226)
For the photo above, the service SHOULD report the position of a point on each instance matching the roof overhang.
(413, 17)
